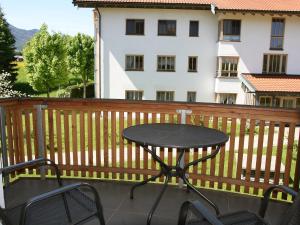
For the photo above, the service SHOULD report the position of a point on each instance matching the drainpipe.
(98, 44)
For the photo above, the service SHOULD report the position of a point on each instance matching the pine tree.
(7, 49)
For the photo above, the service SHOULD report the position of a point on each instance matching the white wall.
(115, 45)
(255, 41)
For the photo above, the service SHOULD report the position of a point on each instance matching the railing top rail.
(235, 111)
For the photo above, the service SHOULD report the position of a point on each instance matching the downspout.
(98, 40)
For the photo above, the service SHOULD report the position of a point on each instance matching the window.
(277, 34)
(167, 27)
(134, 62)
(191, 96)
(226, 98)
(288, 102)
(165, 96)
(192, 64)
(194, 28)
(166, 63)
(298, 103)
(134, 27)
(230, 30)
(274, 63)
(133, 95)
(265, 101)
(227, 66)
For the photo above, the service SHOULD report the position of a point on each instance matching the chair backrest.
(292, 215)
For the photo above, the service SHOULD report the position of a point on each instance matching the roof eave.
(258, 11)
(106, 4)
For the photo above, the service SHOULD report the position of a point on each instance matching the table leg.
(189, 185)
(143, 183)
(157, 200)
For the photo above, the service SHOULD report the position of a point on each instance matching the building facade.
(192, 51)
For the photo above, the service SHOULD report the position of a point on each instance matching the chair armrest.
(199, 210)
(62, 191)
(33, 163)
(267, 194)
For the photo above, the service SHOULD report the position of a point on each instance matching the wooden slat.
(35, 140)
(240, 152)
(195, 152)
(28, 136)
(297, 167)
(129, 146)
(113, 142)
(250, 152)
(153, 163)
(121, 140)
(67, 140)
(231, 151)
(162, 150)
(74, 140)
(59, 137)
(222, 153)
(105, 133)
(269, 152)
(98, 141)
(45, 132)
(213, 161)
(204, 151)
(90, 141)
(11, 151)
(82, 142)
(51, 137)
(288, 159)
(145, 154)
(279, 155)
(137, 147)
(259, 153)
(15, 136)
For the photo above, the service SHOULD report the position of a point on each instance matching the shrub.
(63, 93)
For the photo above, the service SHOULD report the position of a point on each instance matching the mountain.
(21, 36)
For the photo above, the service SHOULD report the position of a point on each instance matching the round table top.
(182, 136)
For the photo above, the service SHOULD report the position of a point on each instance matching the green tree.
(7, 49)
(45, 60)
(81, 58)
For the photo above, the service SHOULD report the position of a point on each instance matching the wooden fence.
(84, 137)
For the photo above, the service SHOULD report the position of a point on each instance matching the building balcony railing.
(84, 137)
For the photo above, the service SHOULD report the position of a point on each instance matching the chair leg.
(143, 183)
(157, 200)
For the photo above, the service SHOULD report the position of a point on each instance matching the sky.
(59, 15)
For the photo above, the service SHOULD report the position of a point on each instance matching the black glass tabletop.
(182, 136)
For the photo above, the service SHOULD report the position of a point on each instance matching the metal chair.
(67, 205)
(195, 213)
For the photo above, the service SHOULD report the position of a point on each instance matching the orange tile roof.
(272, 83)
(259, 5)
(292, 6)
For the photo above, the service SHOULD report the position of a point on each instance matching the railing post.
(183, 114)
(3, 142)
(40, 135)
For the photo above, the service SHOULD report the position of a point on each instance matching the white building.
(191, 50)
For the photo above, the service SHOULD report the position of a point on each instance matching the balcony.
(84, 137)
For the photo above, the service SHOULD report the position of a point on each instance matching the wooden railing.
(85, 138)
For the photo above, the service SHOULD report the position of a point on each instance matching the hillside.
(21, 36)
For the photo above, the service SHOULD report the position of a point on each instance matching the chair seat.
(79, 204)
(237, 218)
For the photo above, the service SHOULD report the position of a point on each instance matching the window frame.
(135, 34)
(196, 65)
(134, 69)
(134, 92)
(191, 92)
(166, 70)
(165, 92)
(167, 34)
(221, 31)
(226, 94)
(219, 67)
(277, 36)
(268, 63)
(194, 21)
(265, 97)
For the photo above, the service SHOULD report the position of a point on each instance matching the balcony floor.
(120, 210)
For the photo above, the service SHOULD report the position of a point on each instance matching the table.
(180, 136)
